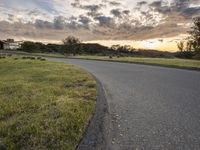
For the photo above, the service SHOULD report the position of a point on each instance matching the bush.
(42, 59)
(34, 47)
(2, 55)
(39, 58)
(32, 58)
(185, 54)
(9, 55)
(196, 56)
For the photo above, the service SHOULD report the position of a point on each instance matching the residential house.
(10, 44)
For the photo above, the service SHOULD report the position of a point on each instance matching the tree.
(195, 35)
(71, 40)
(29, 47)
(71, 44)
(180, 46)
(189, 45)
(34, 47)
(122, 49)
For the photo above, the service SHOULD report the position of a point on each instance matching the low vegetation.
(32, 53)
(172, 62)
(43, 104)
(168, 61)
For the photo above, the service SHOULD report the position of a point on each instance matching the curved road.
(151, 108)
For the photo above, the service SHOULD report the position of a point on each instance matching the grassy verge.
(174, 62)
(43, 104)
(35, 54)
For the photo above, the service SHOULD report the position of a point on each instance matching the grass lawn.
(35, 54)
(174, 62)
(43, 104)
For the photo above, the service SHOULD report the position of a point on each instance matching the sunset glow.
(149, 24)
(162, 44)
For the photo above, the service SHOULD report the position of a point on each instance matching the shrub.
(33, 58)
(2, 55)
(185, 54)
(39, 57)
(196, 56)
(9, 55)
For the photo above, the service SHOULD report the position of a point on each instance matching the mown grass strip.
(173, 62)
(35, 54)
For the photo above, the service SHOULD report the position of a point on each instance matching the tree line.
(189, 48)
(73, 46)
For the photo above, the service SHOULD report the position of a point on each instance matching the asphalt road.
(151, 108)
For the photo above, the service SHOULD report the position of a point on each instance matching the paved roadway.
(151, 108)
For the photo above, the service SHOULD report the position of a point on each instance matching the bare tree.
(180, 46)
(189, 45)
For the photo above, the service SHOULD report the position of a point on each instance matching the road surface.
(151, 108)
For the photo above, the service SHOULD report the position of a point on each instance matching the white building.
(10, 44)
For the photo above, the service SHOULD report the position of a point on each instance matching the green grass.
(35, 54)
(174, 62)
(43, 104)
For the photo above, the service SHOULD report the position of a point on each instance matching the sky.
(152, 24)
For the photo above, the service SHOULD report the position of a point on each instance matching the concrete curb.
(96, 136)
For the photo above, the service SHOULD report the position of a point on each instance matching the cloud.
(113, 3)
(91, 8)
(188, 12)
(127, 12)
(156, 4)
(59, 22)
(85, 21)
(97, 19)
(43, 24)
(116, 12)
(141, 3)
(105, 21)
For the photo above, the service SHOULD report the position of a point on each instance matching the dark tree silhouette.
(71, 40)
(194, 37)
(71, 45)
(180, 46)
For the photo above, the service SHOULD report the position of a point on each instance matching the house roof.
(8, 42)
